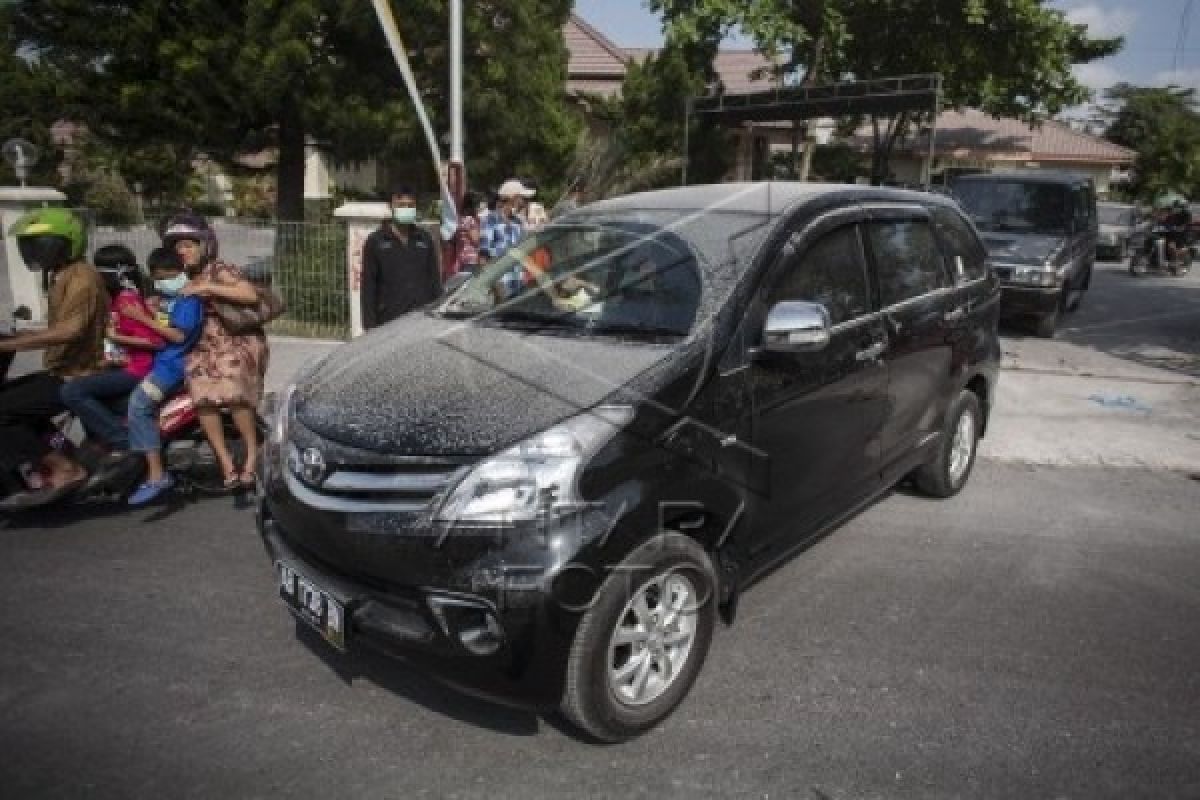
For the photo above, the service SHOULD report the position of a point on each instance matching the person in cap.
(52, 241)
(503, 227)
(399, 264)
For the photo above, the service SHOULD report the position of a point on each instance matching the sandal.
(247, 479)
(232, 481)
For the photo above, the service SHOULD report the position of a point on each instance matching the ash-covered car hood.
(1022, 248)
(423, 385)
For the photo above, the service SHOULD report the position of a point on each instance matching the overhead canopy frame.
(848, 98)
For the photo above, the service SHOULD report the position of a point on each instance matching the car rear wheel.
(947, 473)
(641, 644)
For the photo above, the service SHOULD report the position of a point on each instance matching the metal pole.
(456, 59)
(937, 108)
(687, 124)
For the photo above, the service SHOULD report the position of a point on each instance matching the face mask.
(172, 286)
(404, 216)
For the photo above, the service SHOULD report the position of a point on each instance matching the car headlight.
(282, 415)
(1035, 276)
(539, 474)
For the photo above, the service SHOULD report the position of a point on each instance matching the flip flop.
(247, 480)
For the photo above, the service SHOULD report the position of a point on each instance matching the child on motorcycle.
(91, 397)
(185, 316)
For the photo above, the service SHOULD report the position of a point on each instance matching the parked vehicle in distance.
(1118, 224)
(549, 485)
(1040, 227)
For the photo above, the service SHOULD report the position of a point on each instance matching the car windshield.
(639, 274)
(1115, 215)
(1016, 206)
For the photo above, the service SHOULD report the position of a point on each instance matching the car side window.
(907, 259)
(831, 272)
(961, 244)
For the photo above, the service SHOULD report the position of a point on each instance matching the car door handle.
(956, 315)
(871, 353)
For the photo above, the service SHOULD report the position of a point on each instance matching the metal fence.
(304, 262)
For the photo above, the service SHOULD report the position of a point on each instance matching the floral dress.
(226, 370)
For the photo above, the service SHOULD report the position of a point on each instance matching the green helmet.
(50, 238)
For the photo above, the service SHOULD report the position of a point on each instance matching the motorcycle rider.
(1177, 220)
(51, 240)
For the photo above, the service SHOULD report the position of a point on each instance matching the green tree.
(27, 109)
(1163, 126)
(238, 77)
(1006, 57)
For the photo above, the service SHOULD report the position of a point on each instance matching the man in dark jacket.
(399, 266)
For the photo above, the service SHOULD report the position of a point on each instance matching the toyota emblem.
(312, 466)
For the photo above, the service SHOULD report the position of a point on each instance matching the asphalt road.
(1035, 637)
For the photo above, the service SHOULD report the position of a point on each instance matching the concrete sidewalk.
(1058, 404)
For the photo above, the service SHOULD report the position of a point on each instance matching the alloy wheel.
(652, 641)
(963, 446)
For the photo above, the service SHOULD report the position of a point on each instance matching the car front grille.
(352, 480)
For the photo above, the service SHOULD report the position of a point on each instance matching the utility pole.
(456, 170)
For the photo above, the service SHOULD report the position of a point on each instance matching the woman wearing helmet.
(53, 241)
(224, 370)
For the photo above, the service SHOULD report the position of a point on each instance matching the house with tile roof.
(972, 141)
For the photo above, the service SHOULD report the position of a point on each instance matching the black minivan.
(1041, 229)
(550, 485)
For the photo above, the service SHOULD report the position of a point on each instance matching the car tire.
(949, 470)
(616, 690)
(1046, 324)
(1076, 296)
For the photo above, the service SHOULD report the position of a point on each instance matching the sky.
(1152, 28)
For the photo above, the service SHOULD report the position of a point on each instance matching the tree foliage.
(27, 91)
(1163, 126)
(1006, 57)
(237, 77)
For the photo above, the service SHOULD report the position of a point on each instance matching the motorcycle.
(187, 455)
(1150, 253)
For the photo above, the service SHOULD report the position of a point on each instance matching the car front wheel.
(947, 473)
(641, 644)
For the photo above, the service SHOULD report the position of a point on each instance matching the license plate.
(312, 604)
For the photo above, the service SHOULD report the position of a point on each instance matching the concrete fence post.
(361, 219)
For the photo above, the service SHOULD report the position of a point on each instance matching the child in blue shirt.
(185, 322)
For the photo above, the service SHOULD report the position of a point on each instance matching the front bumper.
(1025, 300)
(413, 594)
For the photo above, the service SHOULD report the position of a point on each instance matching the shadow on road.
(407, 681)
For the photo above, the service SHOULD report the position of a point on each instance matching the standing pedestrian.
(503, 227)
(400, 267)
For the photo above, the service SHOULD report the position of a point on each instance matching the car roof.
(772, 198)
(1027, 176)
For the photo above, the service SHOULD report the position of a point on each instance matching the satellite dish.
(21, 155)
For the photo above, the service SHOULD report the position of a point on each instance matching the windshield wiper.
(538, 320)
(636, 327)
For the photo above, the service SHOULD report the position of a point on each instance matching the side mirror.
(454, 282)
(796, 327)
(23, 313)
